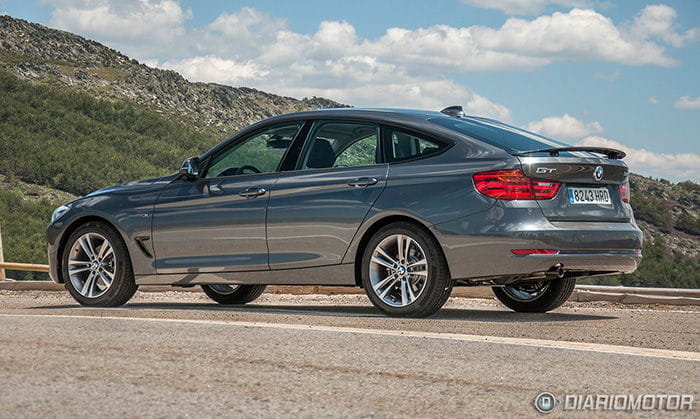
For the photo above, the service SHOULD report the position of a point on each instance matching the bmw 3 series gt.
(406, 204)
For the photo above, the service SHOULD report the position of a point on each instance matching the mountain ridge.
(39, 53)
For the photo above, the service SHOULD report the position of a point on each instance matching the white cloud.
(657, 21)
(679, 166)
(525, 7)
(213, 69)
(579, 35)
(152, 20)
(247, 32)
(448, 48)
(653, 100)
(564, 127)
(687, 102)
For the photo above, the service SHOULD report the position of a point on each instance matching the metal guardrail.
(34, 267)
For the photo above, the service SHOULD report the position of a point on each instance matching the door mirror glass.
(190, 168)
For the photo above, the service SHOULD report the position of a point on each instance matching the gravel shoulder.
(651, 326)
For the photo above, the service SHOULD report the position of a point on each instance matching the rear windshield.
(506, 137)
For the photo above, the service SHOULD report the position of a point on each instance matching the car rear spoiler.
(554, 152)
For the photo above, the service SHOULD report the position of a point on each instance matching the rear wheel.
(233, 294)
(535, 297)
(96, 266)
(404, 272)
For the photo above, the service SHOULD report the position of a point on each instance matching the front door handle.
(252, 192)
(363, 182)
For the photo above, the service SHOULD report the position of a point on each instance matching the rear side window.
(503, 136)
(341, 144)
(404, 146)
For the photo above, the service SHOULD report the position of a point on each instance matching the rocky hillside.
(46, 55)
(669, 211)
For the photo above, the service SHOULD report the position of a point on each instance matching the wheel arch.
(376, 226)
(68, 231)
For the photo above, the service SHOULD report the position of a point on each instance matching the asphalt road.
(176, 354)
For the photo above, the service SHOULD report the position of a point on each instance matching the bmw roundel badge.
(598, 173)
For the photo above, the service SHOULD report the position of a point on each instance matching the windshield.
(506, 137)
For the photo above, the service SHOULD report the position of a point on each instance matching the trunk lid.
(584, 180)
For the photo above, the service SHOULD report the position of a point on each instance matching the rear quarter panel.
(434, 190)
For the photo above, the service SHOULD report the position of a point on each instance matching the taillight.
(625, 191)
(513, 184)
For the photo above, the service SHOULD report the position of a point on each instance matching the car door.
(315, 210)
(216, 223)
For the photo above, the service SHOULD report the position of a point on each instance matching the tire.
(544, 295)
(110, 273)
(232, 294)
(387, 283)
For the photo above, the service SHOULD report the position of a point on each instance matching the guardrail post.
(2, 258)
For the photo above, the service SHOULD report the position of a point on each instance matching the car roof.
(383, 114)
(398, 115)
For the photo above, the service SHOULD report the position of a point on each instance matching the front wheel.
(404, 272)
(535, 297)
(233, 294)
(96, 266)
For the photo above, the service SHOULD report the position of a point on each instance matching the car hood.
(133, 186)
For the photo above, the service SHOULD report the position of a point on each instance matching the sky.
(623, 74)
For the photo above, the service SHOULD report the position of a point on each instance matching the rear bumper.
(480, 246)
(623, 262)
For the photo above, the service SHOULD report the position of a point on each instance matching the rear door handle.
(252, 192)
(362, 182)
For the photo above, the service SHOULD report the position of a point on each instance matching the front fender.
(129, 211)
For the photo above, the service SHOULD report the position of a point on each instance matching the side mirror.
(190, 168)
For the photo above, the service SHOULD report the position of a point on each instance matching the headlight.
(58, 213)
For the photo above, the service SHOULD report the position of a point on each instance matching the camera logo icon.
(545, 402)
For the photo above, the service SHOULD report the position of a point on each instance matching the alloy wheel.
(92, 265)
(528, 291)
(398, 270)
(224, 289)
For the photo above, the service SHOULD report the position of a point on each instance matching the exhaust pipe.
(555, 272)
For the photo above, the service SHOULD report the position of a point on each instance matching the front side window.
(404, 146)
(341, 144)
(261, 152)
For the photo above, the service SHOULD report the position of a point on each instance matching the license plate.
(589, 196)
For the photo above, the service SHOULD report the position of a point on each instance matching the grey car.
(404, 203)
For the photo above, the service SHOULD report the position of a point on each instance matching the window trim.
(291, 157)
(386, 136)
(312, 130)
(245, 137)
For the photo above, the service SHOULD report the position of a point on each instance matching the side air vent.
(140, 241)
(453, 111)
